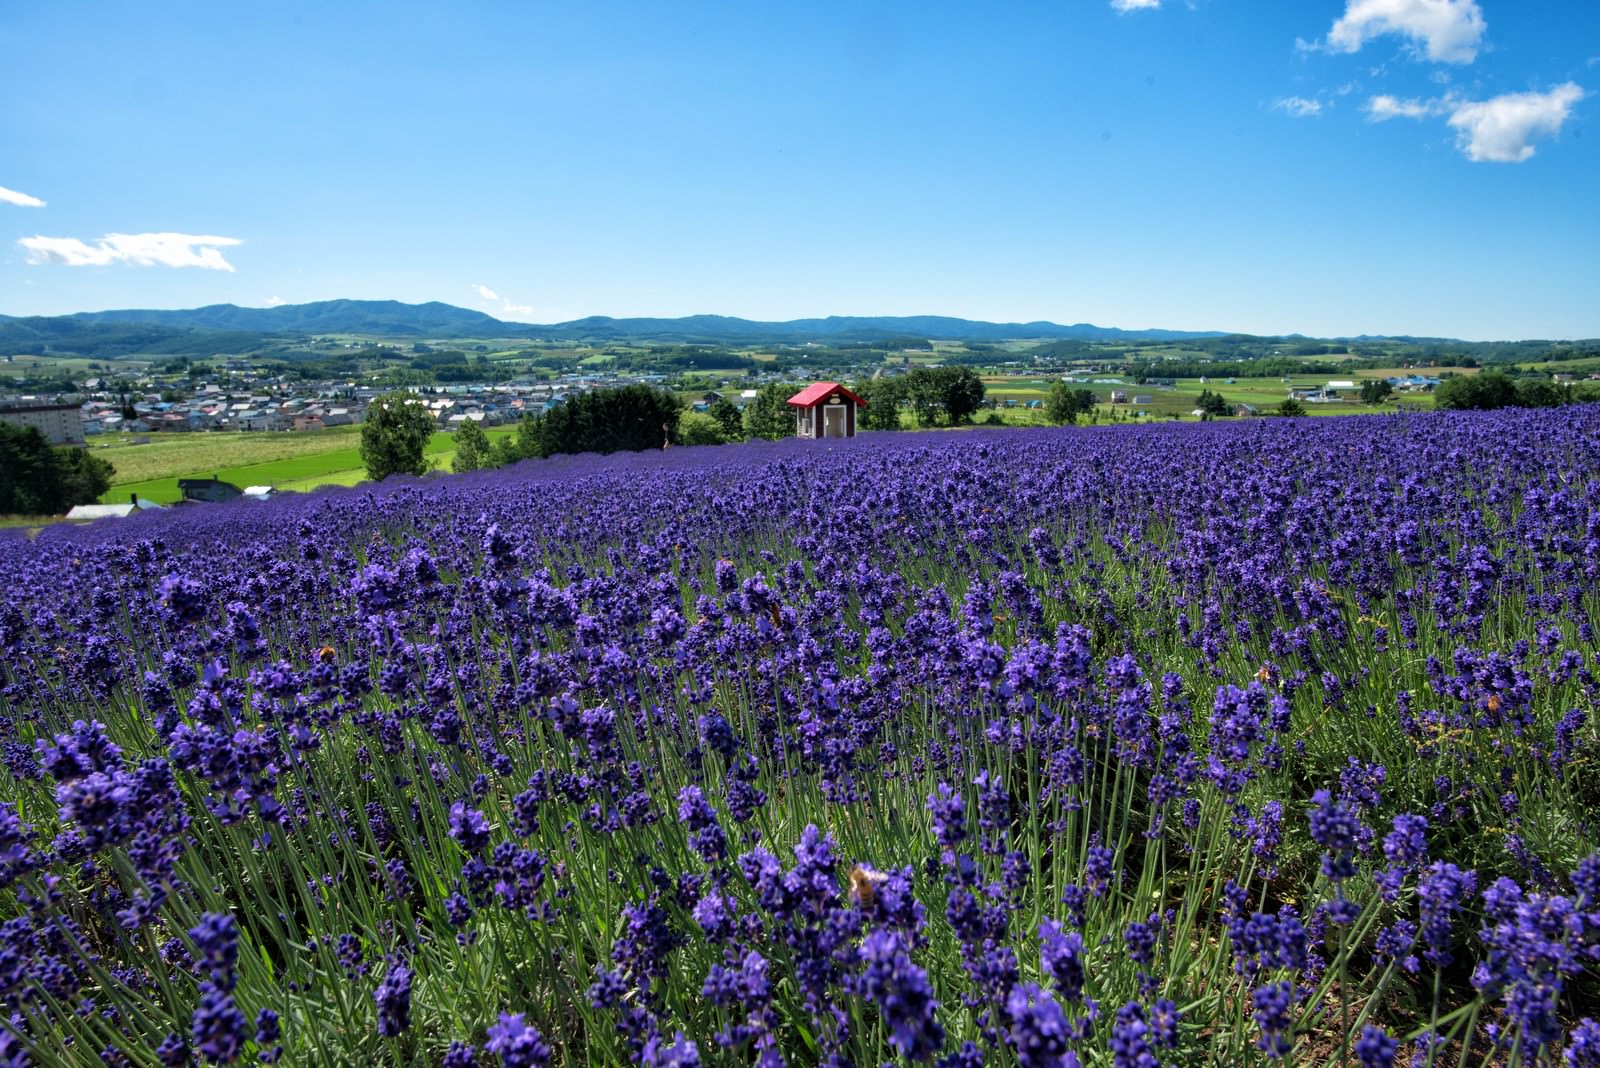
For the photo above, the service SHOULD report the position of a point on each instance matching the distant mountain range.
(388, 318)
(845, 328)
(281, 331)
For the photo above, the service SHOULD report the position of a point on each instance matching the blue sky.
(1332, 167)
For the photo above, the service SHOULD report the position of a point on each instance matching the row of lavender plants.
(1266, 743)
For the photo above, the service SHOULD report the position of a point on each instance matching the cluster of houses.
(1415, 383)
(247, 399)
(737, 397)
(1341, 390)
(1335, 392)
(301, 408)
(210, 409)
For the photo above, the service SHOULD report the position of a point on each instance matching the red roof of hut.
(818, 392)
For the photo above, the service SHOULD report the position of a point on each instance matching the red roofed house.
(825, 410)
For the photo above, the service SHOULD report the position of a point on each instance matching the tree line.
(1492, 389)
(37, 478)
(395, 435)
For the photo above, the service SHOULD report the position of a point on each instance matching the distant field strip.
(329, 467)
(182, 455)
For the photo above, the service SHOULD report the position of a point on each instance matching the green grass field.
(318, 458)
(1584, 366)
(174, 455)
(75, 366)
(1264, 394)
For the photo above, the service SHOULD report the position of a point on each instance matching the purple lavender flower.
(902, 994)
(218, 1028)
(183, 598)
(1272, 1004)
(460, 1055)
(1141, 940)
(1583, 1044)
(518, 1043)
(949, 816)
(1130, 1039)
(1407, 845)
(1164, 1023)
(1266, 834)
(994, 810)
(173, 1052)
(393, 998)
(469, 827)
(1444, 892)
(268, 1032)
(1099, 867)
(681, 1052)
(1336, 827)
(706, 835)
(1375, 1049)
(1073, 898)
(86, 749)
(1039, 1033)
(216, 948)
(717, 736)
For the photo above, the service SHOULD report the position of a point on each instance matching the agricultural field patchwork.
(1257, 742)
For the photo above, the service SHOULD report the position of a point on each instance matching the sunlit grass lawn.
(341, 466)
(167, 455)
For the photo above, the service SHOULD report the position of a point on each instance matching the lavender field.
(1270, 742)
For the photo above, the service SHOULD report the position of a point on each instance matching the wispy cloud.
(508, 308)
(21, 200)
(273, 302)
(1126, 6)
(1299, 107)
(136, 250)
(1384, 107)
(1504, 129)
(1446, 31)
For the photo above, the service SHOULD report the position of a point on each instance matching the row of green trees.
(937, 396)
(1492, 389)
(636, 417)
(38, 479)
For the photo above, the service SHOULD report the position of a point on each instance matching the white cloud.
(508, 309)
(1384, 107)
(137, 250)
(21, 200)
(1503, 129)
(1499, 130)
(1450, 31)
(1126, 6)
(1299, 107)
(273, 302)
